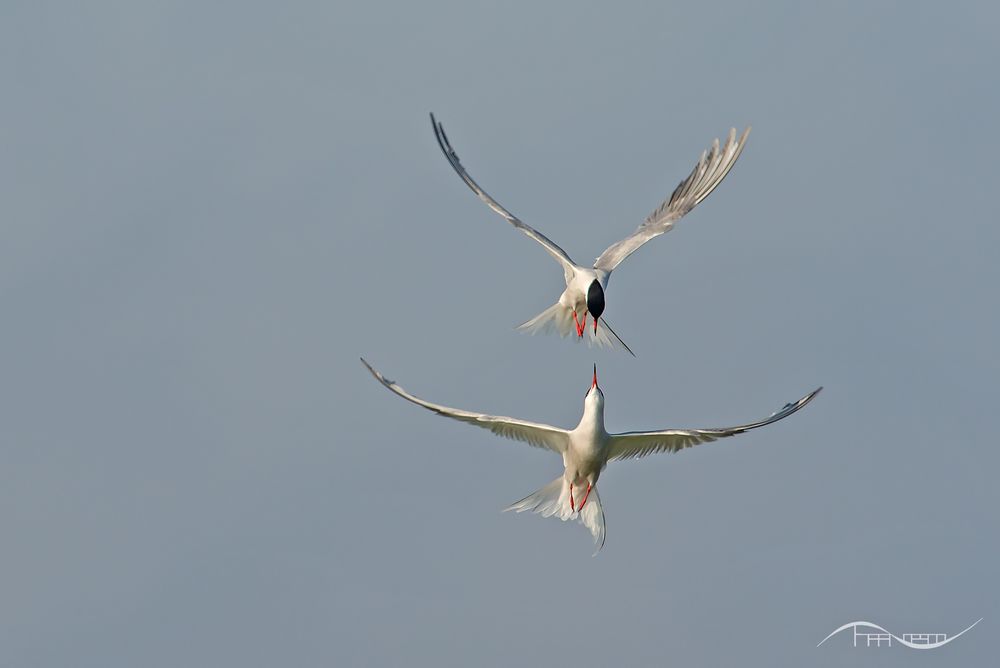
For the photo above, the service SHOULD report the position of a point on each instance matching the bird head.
(595, 301)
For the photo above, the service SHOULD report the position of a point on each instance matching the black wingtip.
(442, 139)
(435, 125)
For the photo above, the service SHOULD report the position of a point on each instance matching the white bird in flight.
(585, 286)
(586, 449)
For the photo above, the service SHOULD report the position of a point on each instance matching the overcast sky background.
(210, 210)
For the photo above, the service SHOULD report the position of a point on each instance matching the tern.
(586, 450)
(585, 286)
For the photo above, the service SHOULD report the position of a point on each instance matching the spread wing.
(549, 245)
(538, 435)
(699, 184)
(641, 443)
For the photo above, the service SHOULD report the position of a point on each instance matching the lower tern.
(586, 450)
(585, 286)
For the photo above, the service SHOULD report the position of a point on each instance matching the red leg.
(571, 506)
(584, 325)
(585, 497)
(576, 321)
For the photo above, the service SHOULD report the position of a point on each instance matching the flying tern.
(586, 450)
(585, 286)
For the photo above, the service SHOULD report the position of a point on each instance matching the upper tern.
(585, 286)
(586, 449)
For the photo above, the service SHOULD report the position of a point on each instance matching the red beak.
(594, 384)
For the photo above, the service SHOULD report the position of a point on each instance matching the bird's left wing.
(554, 250)
(538, 435)
(641, 443)
(699, 184)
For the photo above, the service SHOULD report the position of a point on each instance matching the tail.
(553, 501)
(605, 337)
(558, 319)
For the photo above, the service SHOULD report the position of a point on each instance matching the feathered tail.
(558, 319)
(553, 501)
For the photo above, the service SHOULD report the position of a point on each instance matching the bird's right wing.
(641, 443)
(538, 435)
(699, 184)
(553, 249)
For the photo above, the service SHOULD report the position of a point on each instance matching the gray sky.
(209, 213)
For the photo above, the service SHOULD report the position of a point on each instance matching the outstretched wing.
(554, 250)
(699, 184)
(641, 443)
(538, 435)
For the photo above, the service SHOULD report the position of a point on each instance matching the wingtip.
(371, 369)
(809, 397)
(378, 374)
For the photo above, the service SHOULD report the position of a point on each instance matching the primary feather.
(703, 179)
